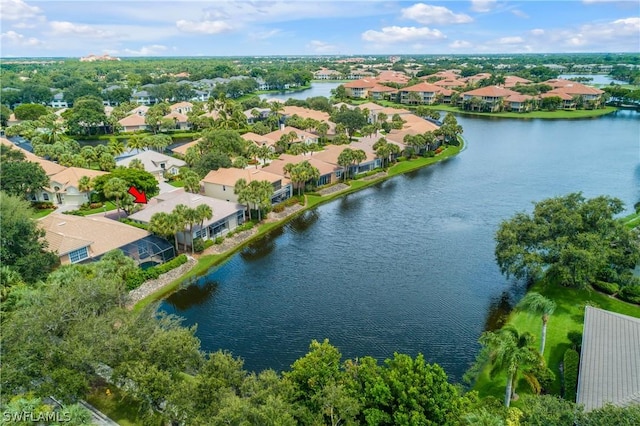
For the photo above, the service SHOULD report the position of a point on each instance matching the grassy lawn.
(568, 317)
(37, 214)
(632, 221)
(110, 206)
(177, 183)
(115, 405)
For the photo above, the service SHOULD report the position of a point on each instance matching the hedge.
(605, 287)
(571, 366)
(630, 293)
(136, 279)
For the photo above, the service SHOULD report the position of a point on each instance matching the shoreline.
(207, 261)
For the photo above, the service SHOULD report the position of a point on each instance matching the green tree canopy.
(22, 248)
(30, 111)
(575, 240)
(20, 178)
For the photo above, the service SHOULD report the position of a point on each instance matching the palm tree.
(116, 147)
(163, 224)
(136, 163)
(204, 212)
(180, 213)
(509, 351)
(84, 184)
(359, 156)
(240, 189)
(136, 142)
(191, 180)
(115, 188)
(345, 159)
(263, 193)
(536, 304)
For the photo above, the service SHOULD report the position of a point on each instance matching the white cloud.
(153, 50)
(263, 35)
(427, 14)
(460, 44)
(321, 47)
(520, 14)
(396, 34)
(509, 40)
(537, 32)
(483, 5)
(13, 38)
(17, 10)
(203, 27)
(69, 28)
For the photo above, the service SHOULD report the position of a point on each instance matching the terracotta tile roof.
(181, 118)
(364, 83)
(392, 77)
(518, 98)
(491, 91)
(306, 113)
(448, 74)
(71, 175)
(379, 88)
(276, 135)
(142, 110)
(450, 83)
(609, 360)
(165, 203)
(258, 139)
(66, 233)
(229, 177)
(181, 105)
(561, 95)
(577, 89)
(182, 149)
(132, 120)
(422, 88)
(277, 166)
(512, 80)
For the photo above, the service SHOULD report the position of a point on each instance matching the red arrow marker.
(139, 197)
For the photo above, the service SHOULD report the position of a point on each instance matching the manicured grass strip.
(568, 317)
(109, 204)
(115, 405)
(177, 183)
(37, 214)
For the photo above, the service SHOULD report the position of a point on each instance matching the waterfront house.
(327, 74)
(421, 93)
(490, 98)
(155, 163)
(78, 239)
(609, 360)
(331, 153)
(327, 170)
(221, 183)
(227, 216)
(519, 103)
(181, 120)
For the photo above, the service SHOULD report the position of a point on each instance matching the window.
(224, 188)
(45, 196)
(78, 255)
(163, 165)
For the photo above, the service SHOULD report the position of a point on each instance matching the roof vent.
(62, 223)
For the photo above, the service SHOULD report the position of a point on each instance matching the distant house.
(519, 103)
(221, 183)
(301, 135)
(227, 216)
(155, 163)
(578, 91)
(78, 239)
(328, 171)
(58, 101)
(143, 97)
(259, 140)
(609, 360)
(133, 122)
(327, 74)
(491, 97)
(181, 120)
(182, 107)
(421, 93)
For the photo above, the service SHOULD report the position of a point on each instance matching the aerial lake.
(407, 265)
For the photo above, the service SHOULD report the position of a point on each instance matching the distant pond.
(408, 265)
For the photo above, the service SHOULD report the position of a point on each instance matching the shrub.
(95, 205)
(135, 224)
(575, 337)
(605, 287)
(630, 293)
(218, 240)
(429, 154)
(135, 280)
(74, 212)
(545, 377)
(198, 245)
(439, 150)
(43, 205)
(401, 159)
(571, 364)
(278, 208)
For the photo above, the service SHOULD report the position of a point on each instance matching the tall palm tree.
(536, 304)
(115, 188)
(345, 159)
(191, 181)
(204, 212)
(116, 147)
(136, 141)
(240, 189)
(509, 351)
(180, 212)
(162, 224)
(359, 156)
(84, 184)
(191, 217)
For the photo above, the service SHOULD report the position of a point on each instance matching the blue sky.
(237, 28)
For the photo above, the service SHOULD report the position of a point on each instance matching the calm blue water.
(316, 89)
(407, 265)
(595, 78)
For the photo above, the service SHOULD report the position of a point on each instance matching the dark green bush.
(218, 240)
(42, 205)
(605, 287)
(571, 366)
(198, 245)
(545, 377)
(429, 154)
(134, 281)
(575, 337)
(630, 293)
